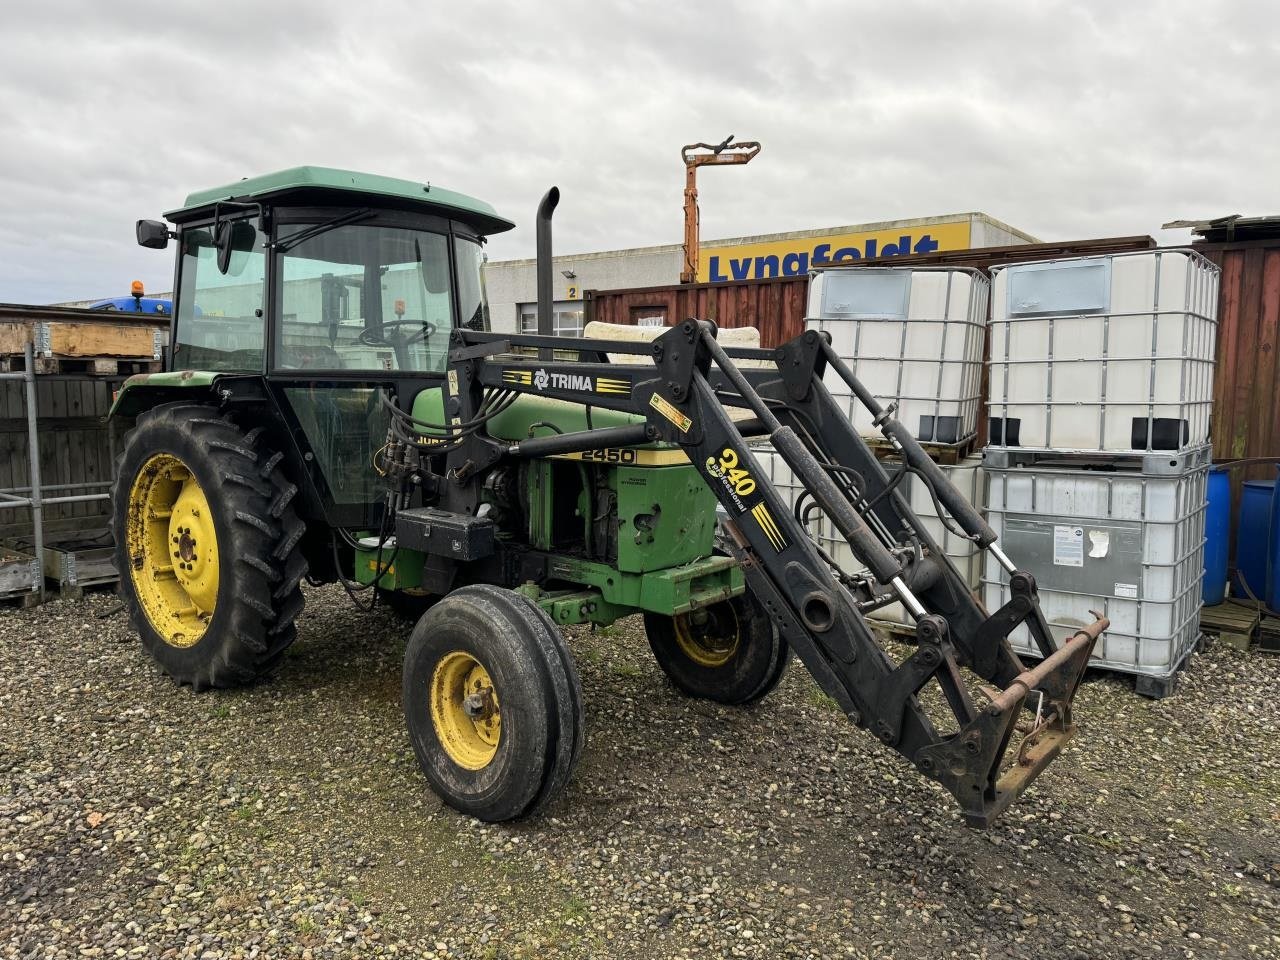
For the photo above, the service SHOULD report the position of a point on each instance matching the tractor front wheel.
(206, 543)
(492, 702)
(729, 652)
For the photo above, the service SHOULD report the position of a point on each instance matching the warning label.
(671, 412)
(1068, 546)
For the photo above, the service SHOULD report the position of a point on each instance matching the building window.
(566, 318)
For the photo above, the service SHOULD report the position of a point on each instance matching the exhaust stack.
(545, 209)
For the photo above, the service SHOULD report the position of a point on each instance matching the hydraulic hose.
(836, 506)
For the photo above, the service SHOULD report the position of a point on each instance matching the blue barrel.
(1273, 550)
(1252, 536)
(1217, 537)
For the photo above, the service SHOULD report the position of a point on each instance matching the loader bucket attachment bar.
(987, 753)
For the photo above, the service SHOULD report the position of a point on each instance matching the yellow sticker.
(671, 412)
(453, 383)
(522, 377)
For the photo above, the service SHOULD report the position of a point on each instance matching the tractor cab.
(320, 269)
(312, 288)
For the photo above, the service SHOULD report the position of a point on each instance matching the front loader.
(338, 410)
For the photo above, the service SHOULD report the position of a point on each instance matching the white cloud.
(1066, 119)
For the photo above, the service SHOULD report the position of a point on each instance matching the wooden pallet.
(1232, 622)
(93, 366)
(1269, 635)
(99, 347)
(73, 559)
(19, 577)
(892, 630)
(945, 454)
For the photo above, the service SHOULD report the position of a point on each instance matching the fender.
(144, 390)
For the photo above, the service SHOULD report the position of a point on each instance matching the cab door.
(363, 308)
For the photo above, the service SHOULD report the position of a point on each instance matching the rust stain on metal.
(1246, 388)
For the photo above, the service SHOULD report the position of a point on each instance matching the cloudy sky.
(1069, 120)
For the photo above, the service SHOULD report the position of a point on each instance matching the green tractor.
(337, 409)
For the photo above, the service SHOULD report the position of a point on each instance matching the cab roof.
(326, 185)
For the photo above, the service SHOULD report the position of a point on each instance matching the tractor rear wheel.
(729, 652)
(206, 542)
(492, 702)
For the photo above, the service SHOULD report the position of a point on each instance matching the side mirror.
(153, 234)
(231, 237)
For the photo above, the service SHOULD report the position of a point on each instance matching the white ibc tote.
(913, 336)
(1120, 542)
(1111, 353)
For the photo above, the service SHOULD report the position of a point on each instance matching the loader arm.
(685, 396)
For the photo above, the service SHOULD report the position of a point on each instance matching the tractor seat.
(730, 337)
(748, 337)
(310, 356)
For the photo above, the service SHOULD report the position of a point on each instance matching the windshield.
(471, 294)
(219, 320)
(363, 297)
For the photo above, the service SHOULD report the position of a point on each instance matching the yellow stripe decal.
(770, 528)
(523, 377)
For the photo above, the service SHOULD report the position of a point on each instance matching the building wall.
(988, 232)
(511, 283)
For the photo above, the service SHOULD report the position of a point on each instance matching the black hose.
(888, 489)
(455, 433)
(494, 403)
(937, 505)
(1261, 605)
(1249, 462)
(384, 534)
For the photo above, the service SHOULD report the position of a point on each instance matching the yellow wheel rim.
(173, 550)
(709, 638)
(464, 710)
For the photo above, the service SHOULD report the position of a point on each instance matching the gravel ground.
(290, 820)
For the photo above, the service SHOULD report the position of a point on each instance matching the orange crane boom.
(725, 152)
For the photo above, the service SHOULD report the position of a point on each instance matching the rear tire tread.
(253, 623)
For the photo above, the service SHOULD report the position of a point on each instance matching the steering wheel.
(371, 339)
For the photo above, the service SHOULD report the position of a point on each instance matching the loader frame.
(684, 393)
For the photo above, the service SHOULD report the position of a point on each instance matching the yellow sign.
(795, 257)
